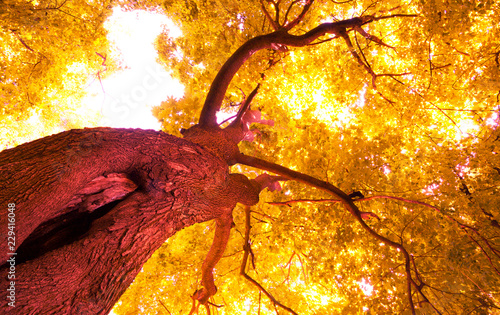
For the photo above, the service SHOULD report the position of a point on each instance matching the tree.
(413, 215)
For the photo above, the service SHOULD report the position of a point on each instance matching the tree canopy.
(47, 50)
(395, 103)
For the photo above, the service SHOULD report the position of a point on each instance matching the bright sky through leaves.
(126, 97)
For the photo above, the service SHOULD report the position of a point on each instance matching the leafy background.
(428, 132)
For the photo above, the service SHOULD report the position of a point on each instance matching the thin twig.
(300, 17)
(244, 261)
(274, 25)
(22, 42)
(159, 300)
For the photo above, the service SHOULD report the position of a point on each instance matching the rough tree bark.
(92, 206)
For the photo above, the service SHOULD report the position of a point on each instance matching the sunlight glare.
(430, 189)
(366, 287)
(386, 169)
(126, 97)
(493, 120)
(467, 127)
(337, 116)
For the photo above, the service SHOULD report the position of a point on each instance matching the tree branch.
(246, 105)
(348, 204)
(221, 237)
(22, 41)
(244, 261)
(300, 17)
(462, 226)
(273, 23)
(278, 38)
(356, 56)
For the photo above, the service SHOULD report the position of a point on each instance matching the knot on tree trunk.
(244, 190)
(221, 142)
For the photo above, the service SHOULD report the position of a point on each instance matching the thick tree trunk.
(92, 205)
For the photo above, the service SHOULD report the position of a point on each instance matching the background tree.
(399, 103)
